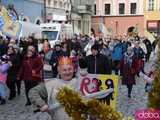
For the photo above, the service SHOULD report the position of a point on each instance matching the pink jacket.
(3, 72)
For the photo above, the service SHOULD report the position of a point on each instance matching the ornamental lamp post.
(44, 11)
(67, 16)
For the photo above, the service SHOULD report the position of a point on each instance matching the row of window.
(59, 4)
(133, 8)
(107, 8)
(150, 5)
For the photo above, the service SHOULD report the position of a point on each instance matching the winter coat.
(87, 48)
(54, 61)
(128, 72)
(46, 56)
(117, 52)
(3, 49)
(106, 51)
(126, 44)
(55, 56)
(144, 48)
(139, 56)
(14, 69)
(148, 46)
(76, 46)
(98, 64)
(28, 65)
(138, 53)
(3, 72)
(46, 94)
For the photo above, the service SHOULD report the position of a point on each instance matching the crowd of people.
(33, 61)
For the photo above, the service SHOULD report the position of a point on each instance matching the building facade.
(77, 12)
(118, 15)
(82, 10)
(58, 10)
(152, 16)
(28, 10)
(38, 11)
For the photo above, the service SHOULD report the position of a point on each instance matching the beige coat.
(46, 94)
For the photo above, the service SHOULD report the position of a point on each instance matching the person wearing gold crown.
(44, 95)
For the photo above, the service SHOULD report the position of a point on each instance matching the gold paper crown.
(65, 61)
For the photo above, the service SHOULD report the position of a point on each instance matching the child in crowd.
(4, 66)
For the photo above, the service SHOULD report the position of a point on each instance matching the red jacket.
(28, 65)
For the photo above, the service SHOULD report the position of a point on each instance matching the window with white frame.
(49, 2)
(121, 8)
(60, 4)
(107, 9)
(133, 8)
(150, 5)
(55, 4)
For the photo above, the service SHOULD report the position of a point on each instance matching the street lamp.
(44, 11)
(21, 16)
(67, 16)
(71, 20)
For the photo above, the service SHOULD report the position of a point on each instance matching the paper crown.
(65, 61)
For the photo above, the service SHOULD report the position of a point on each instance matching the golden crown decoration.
(65, 61)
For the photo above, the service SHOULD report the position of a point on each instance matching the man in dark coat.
(149, 48)
(97, 63)
(57, 53)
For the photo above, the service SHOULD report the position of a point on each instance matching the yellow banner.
(7, 26)
(92, 83)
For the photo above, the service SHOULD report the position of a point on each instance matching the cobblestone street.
(16, 109)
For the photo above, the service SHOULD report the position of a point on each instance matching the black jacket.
(98, 64)
(14, 69)
(148, 46)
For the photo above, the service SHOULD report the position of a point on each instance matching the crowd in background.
(33, 60)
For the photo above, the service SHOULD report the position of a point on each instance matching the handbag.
(47, 67)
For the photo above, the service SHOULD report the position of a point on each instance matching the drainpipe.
(44, 11)
(72, 20)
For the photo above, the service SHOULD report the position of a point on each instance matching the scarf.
(128, 59)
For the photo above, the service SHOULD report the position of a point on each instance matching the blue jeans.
(2, 90)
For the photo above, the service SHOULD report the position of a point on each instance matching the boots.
(28, 103)
(12, 96)
(2, 101)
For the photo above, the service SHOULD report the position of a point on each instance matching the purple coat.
(3, 72)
